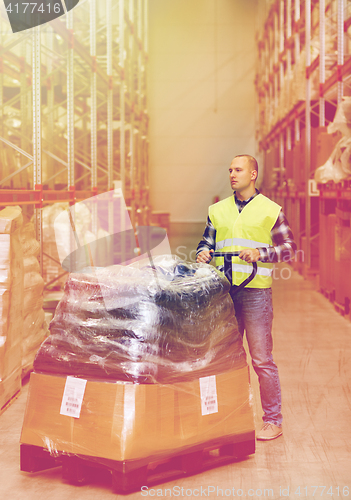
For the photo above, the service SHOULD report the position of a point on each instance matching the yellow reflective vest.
(251, 228)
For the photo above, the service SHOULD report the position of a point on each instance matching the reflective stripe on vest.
(242, 242)
(249, 229)
(247, 269)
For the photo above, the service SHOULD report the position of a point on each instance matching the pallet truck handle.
(228, 269)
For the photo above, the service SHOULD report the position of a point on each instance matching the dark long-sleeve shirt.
(284, 246)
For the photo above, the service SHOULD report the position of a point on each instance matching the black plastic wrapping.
(162, 323)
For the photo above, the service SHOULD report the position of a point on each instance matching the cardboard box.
(323, 244)
(11, 303)
(325, 145)
(124, 421)
(298, 165)
(34, 330)
(343, 260)
(271, 164)
(289, 164)
(10, 387)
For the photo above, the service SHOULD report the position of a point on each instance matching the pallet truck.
(139, 433)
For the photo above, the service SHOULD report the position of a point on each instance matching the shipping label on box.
(208, 392)
(73, 397)
(124, 421)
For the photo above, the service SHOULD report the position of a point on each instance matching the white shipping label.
(208, 393)
(73, 397)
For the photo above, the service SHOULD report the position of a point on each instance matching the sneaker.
(269, 431)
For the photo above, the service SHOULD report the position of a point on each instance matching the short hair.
(252, 161)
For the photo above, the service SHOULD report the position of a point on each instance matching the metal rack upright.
(73, 103)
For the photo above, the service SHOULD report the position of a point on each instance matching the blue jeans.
(254, 314)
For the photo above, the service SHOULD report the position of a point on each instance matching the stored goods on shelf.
(11, 303)
(342, 118)
(338, 165)
(34, 325)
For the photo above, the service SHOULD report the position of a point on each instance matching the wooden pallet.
(343, 309)
(131, 475)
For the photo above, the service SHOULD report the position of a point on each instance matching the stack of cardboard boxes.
(22, 319)
(123, 421)
(11, 303)
(34, 328)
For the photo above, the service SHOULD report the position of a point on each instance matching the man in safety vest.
(256, 226)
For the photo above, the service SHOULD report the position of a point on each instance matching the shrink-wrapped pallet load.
(171, 323)
(11, 303)
(156, 348)
(34, 324)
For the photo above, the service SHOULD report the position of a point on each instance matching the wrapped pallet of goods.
(34, 324)
(155, 353)
(11, 303)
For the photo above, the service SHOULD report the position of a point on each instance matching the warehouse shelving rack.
(73, 109)
(303, 71)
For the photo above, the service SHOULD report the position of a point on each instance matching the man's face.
(240, 174)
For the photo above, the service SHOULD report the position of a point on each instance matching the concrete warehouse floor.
(312, 349)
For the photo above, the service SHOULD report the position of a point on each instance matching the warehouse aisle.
(312, 350)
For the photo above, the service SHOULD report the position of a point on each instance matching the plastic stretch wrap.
(11, 303)
(30, 246)
(128, 422)
(342, 118)
(51, 266)
(56, 234)
(31, 264)
(173, 322)
(34, 326)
